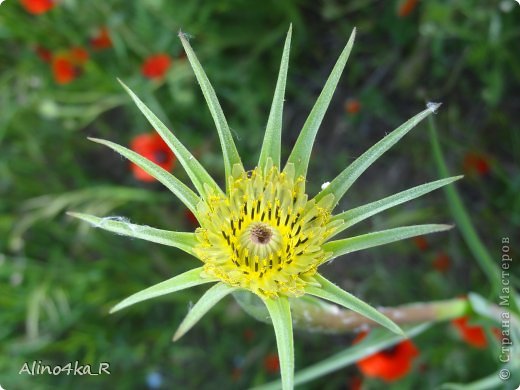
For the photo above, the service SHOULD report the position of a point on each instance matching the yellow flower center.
(264, 235)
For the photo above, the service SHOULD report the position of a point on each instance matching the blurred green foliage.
(58, 279)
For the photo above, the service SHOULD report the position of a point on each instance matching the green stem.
(312, 314)
(463, 220)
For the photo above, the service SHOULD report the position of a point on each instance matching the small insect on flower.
(263, 235)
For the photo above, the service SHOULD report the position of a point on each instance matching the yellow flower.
(263, 234)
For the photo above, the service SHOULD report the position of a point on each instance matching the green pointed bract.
(183, 281)
(333, 293)
(358, 214)
(198, 175)
(181, 240)
(229, 150)
(339, 186)
(301, 152)
(369, 240)
(273, 132)
(280, 313)
(179, 189)
(203, 305)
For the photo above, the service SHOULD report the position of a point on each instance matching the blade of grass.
(330, 292)
(369, 240)
(181, 240)
(461, 216)
(273, 132)
(179, 189)
(301, 152)
(229, 150)
(198, 175)
(340, 185)
(180, 282)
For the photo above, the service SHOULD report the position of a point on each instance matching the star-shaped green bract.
(278, 307)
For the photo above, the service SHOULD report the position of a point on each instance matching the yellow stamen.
(264, 235)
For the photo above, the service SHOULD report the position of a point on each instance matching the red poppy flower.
(472, 334)
(37, 7)
(152, 147)
(442, 262)
(191, 218)
(78, 55)
(390, 364)
(476, 164)
(355, 383)
(352, 106)
(406, 7)
(44, 54)
(421, 242)
(101, 40)
(63, 69)
(271, 363)
(156, 66)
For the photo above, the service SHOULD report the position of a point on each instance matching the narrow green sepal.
(273, 133)
(203, 305)
(179, 189)
(333, 293)
(301, 152)
(369, 240)
(198, 175)
(229, 150)
(119, 225)
(183, 281)
(358, 214)
(280, 313)
(340, 185)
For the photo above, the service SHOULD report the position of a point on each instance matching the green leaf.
(273, 132)
(369, 240)
(203, 305)
(301, 152)
(229, 150)
(119, 225)
(280, 313)
(180, 282)
(179, 189)
(333, 293)
(339, 186)
(358, 214)
(198, 175)
(376, 341)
